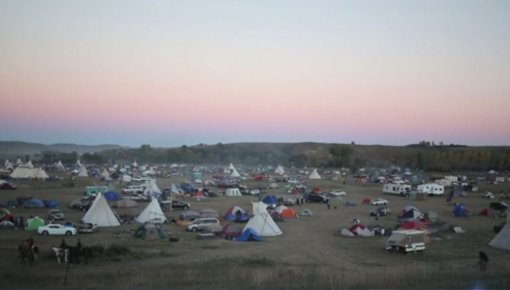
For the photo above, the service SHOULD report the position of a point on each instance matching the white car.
(56, 229)
(379, 201)
(337, 192)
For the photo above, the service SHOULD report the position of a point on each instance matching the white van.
(204, 224)
(406, 241)
(397, 188)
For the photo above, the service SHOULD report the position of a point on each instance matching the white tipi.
(502, 239)
(233, 171)
(262, 222)
(152, 189)
(152, 213)
(314, 175)
(100, 213)
(279, 170)
(83, 171)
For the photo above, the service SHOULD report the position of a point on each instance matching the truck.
(405, 241)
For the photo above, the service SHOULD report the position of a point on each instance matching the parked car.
(55, 214)
(230, 231)
(174, 204)
(317, 198)
(7, 185)
(82, 204)
(87, 228)
(133, 189)
(56, 229)
(337, 192)
(204, 224)
(379, 201)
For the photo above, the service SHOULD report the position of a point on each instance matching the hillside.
(13, 149)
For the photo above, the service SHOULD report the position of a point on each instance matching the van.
(406, 241)
(202, 224)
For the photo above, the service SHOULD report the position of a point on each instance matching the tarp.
(111, 196)
(248, 234)
(459, 210)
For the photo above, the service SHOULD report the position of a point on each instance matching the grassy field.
(309, 255)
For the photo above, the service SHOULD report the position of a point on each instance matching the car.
(204, 224)
(87, 228)
(337, 192)
(379, 201)
(230, 231)
(175, 204)
(57, 229)
(499, 206)
(55, 214)
(82, 204)
(380, 211)
(134, 189)
(7, 185)
(317, 198)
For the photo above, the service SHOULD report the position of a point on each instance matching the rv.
(397, 188)
(431, 188)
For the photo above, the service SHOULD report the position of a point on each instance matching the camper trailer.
(406, 241)
(397, 188)
(431, 188)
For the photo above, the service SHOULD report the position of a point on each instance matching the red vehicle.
(230, 231)
(7, 185)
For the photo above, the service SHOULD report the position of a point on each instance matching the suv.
(55, 214)
(317, 198)
(201, 224)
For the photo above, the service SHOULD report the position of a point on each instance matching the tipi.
(314, 175)
(262, 222)
(502, 239)
(152, 213)
(152, 188)
(279, 170)
(83, 171)
(100, 213)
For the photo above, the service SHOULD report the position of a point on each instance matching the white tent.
(24, 172)
(262, 222)
(83, 171)
(232, 192)
(314, 175)
(60, 166)
(279, 170)
(29, 164)
(126, 178)
(19, 162)
(502, 239)
(78, 163)
(152, 213)
(151, 188)
(100, 213)
(106, 175)
(134, 164)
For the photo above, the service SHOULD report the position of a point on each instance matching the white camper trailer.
(397, 188)
(431, 188)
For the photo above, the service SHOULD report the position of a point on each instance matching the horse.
(69, 254)
(27, 253)
(62, 254)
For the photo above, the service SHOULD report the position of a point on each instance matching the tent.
(150, 231)
(33, 223)
(39, 173)
(33, 203)
(59, 166)
(306, 212)
(502, 239)
(50, 203)
(105, 175)
(111, 196)
(248, 234)
(83, 171)
(28, 173)
(459, 210)
(270, 200)
(100, 213)
(233, 171)
(236, 214)
(314, 175)
(152, 189)
(209, 213)
(410, 213)
(152, 213)
(279, 170)
(286, 213)
(262, 222)
(232, 192)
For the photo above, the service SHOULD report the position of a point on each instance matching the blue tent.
(238, 216)
(33, 203)
(111, 196)
(459, 210)
(270, 200)
(50, 203)
(248, 234)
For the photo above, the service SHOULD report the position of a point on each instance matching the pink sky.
(175, 73)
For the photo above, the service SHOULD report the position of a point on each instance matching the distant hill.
(10, 149)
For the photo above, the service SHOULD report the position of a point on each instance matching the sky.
(171, 73)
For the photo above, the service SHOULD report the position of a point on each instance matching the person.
(329, 205)
(483, 261)
(29, 242)
(63, 244)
